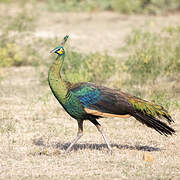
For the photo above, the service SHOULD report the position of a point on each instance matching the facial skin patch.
(61, 51)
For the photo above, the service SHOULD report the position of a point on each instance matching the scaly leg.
(79, 135)
(100, 129)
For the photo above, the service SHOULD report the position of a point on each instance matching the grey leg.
(100, 129)
(79, 135)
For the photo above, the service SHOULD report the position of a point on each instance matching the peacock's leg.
(79, 135)
(100, 129)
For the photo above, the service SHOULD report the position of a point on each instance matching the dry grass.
(35, 131)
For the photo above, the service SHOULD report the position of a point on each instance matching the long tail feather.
(150, 109)
(154, 123)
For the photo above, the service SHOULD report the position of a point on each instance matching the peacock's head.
(60, 49)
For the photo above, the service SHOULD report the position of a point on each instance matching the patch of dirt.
(105, 31)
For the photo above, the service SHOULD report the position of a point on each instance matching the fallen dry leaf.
(147, 157)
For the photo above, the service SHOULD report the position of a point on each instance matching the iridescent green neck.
(57, 84)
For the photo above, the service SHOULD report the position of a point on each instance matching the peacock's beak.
(52, 51)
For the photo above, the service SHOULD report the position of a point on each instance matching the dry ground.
(103, 31)
(35, 130)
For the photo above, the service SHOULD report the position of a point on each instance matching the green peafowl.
(88, 101)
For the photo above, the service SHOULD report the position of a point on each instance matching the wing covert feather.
(101, 99)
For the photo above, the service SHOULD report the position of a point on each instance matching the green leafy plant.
(153, 55)
(92, 67)
(10, 55)
(128, 6)
(163, 98)
(78, 5)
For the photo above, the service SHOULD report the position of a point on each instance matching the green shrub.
(163, 98)
(10, 55)
(14, 54)
(122, 6)
(129, 6)
(145, 6)
(13, 50)
(92, 67)
(78, 5)
(153, 55)
(5, 1)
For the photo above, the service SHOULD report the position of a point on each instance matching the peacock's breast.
(74, 107)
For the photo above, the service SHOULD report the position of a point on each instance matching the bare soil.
(105, 31)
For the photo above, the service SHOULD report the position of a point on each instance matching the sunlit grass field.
(135, 53)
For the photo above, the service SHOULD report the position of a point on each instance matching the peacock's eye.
(60, 51)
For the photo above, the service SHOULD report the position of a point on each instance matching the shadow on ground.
(76, 147)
